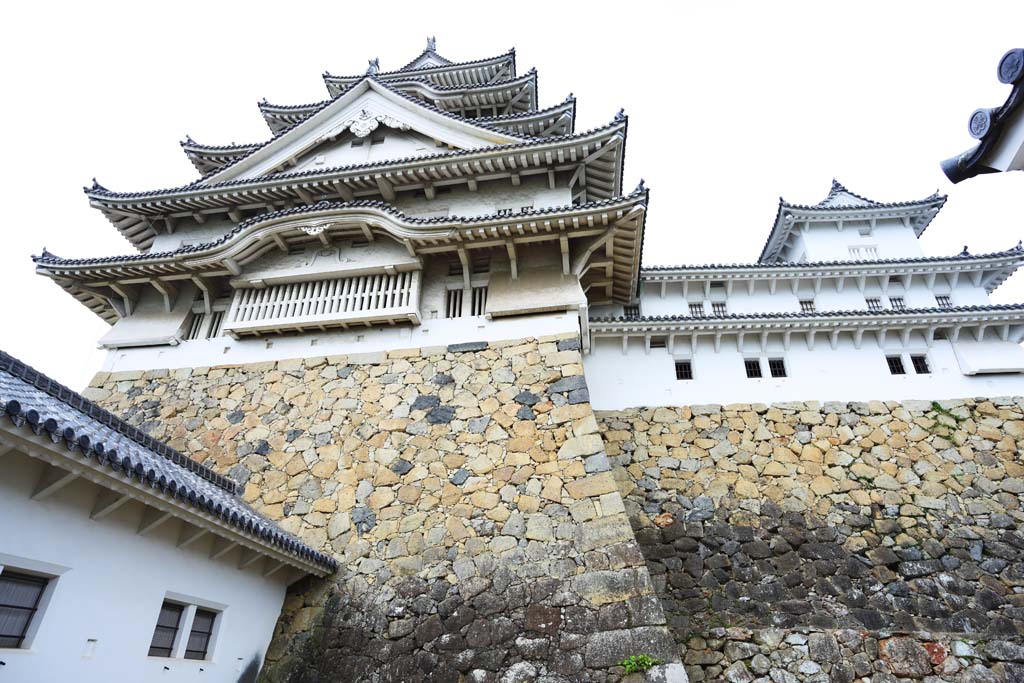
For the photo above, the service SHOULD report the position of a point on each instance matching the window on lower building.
(719, 308)
(944, 301)
(195, 327)
(479, 303)
(807, 306)
(874, 304)
(19, 600)
(697, 310)
(753, 368)
(895, 365)
(199, 637)
(631, 311)
(684, 369)
(777, 367)
(920, 364)
(897, 303)
(166, 631)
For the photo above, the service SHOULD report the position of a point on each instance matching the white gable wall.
(111, 584)
(397, 144)
(824, 241)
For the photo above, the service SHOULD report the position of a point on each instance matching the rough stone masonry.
(840, 542)
(465, 490)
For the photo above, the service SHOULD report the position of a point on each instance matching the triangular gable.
(364, 108)
(839, 196)
(427, 60)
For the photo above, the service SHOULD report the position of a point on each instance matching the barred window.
(684, 370)
(920, 364)
(697, 310)
(807, 306)
(777, 367)
(479, 303)
(199, 637)
(897, 303)
(719, 308)
(944, 301)
(753, 368)
(19, 601)
(895, 365)
(453, 303)
(166, 631)
(631, 311)
(874, 304)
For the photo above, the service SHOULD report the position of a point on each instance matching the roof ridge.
(510, 53)
(801, 314)
(30, 375)
(1018, 249)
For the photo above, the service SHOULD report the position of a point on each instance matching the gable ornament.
(365, 123)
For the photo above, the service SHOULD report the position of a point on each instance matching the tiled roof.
(992, 308)
(31, 400)
(47, 258)
(1015, 251)
(987, 125)
(98, 191)
(445, 67)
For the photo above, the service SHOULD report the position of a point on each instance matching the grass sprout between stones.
(638, 663)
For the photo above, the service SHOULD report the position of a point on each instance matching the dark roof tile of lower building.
(801, 315)
(34, 401)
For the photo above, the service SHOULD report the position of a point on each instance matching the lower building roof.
(83, 434)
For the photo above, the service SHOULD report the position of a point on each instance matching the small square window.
(807, 306)
(944, 301)
(631, 311)
(753, 368)
(684, 369)
(658, 342)
(777, 367)
(897, 303)
(697, 310)
(199, 638)
(920, 364)
(166, 631)
(19, 601)
(874, 304)
(719, 308)
(895, 365)
(377, 137)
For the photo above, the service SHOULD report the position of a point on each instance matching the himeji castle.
(400, 370)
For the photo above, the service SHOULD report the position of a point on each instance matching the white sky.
(731, 105)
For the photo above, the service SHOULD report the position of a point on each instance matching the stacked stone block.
(465, 490)
(839, 542)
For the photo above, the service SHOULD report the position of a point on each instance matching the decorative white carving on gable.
(365, 123)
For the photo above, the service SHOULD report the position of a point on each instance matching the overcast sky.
(730, 104)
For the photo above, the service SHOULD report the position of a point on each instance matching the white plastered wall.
(111, 584)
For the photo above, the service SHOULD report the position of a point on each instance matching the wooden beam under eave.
(151, 519)
(51, 480)
(563, 243)
(168, 291)
(271, 567)
(279, 241)
(127, 296)
(248, 558)
(221, 548)
(190, 534)
(385, 187)
(513, 264)
(107, 501)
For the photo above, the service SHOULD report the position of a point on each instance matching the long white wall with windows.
(684, 376)
(82, 598)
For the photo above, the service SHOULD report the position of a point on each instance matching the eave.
(594, 158)
(916, 214)
(210, 158)
(983, 270)
(1007, 320)
(479, 72)
(599, 242)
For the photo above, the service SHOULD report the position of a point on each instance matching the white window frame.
(44, 570)
(191, 603)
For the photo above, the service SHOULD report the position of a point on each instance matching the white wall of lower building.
(647, 378)
(98, 621)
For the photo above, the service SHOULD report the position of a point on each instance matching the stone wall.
(465, 490)
(838, 542)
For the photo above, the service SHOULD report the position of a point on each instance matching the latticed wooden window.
(719, 308)
(166, 630)
(631, 311)
(777, 367)
(19, 600)
(895, 365)
(807, 306)
(944, 301)
(897, 303)
(753, 368)
(874, 304)
(199, 638)
(684, 370)
(697, 310)
(920, 364)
